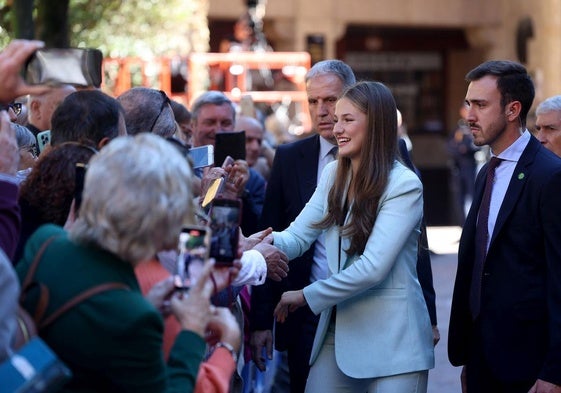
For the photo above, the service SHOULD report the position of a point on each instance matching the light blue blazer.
(382, 324)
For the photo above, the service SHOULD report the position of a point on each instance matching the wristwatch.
(228, 347)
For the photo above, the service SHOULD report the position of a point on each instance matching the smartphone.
(43, 139)
(79, 186)
(225, 217)
(214, 189)
(55, 66)
(227, 162)
(217, 185)
(229, 144)
(202, 156)
(193, 249)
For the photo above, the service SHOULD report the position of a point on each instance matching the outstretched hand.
(290, 301)
(277, 261)
(248, 243)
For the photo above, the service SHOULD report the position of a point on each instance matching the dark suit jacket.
(520, 319)
(292, 182)
(112, 341)
(424, 268)
(252, 202)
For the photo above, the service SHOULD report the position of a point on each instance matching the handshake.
(277, 261)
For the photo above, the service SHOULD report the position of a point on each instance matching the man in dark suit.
(505, 324)
(294, 175)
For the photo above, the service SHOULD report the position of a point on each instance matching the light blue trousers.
(326, 377)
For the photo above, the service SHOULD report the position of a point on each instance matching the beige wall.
(293, 20)
(490, 26)
(545, 48)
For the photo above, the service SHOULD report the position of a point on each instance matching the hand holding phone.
(193, 249)
(212, 184)
(202, 156)
(228, 161)
(235, 182)
(12, 61)
(225, 217)
(73, 66)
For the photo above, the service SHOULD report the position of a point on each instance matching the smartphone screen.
(202, 156)
(193, 248)
(225, 216)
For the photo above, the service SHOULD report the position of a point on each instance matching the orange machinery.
(229, 72)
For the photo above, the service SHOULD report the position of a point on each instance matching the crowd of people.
(332, 267)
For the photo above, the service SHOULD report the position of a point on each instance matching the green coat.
(113, 340)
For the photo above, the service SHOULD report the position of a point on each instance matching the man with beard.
(505, 323)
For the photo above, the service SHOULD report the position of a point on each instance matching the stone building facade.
(422, 49)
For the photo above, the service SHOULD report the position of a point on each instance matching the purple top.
(10, 220)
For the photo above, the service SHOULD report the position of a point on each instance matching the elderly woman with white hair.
(27, 145)
(136, 198)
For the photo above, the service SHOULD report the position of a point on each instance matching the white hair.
(552, 104)
(137, 196)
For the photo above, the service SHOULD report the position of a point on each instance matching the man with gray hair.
(211, 113)
(147, 110)
(40, 107)
(548, 124)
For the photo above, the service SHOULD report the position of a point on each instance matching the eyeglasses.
(15, 106)
(180, 145)
(165, 101)
(31, 149)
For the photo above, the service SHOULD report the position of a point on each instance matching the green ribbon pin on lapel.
(521, 176)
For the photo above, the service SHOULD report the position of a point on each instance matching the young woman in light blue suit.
(374, 333)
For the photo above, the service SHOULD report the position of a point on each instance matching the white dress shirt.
(503, 174)
(319, 266)
(253, 271)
